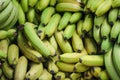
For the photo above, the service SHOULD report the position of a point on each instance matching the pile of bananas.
(59, 39)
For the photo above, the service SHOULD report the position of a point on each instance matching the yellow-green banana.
(4, 4)
(24, 4)
(95, 70)
(59, 75)
(103, 75)
(32, 3)
(115, 3)
(75, 76)
(31, 14)
(87, 75)
(53, 2)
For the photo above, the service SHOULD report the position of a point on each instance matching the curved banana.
(75, 76)
(24, 4)
(115, 3)
(103, 75)
(31, 14)
(59, 75)
(4, 4)
(95, 70)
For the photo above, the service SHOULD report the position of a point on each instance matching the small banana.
(31, 14)
(95, 71)
(24, 4)
(75, 76)
(115, 3)
(32, 3)
(21, 68)
(87, 75)
(35, 71)
(59, 75)
(53, 2)
(103, 75)
(92, 60)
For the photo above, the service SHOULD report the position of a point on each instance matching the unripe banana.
(11, 32)
(31, 14)
(77, 43)
(45, 75)
(53, 2)
(64, 20)
(115, 3)
(21, 69)
(52, 25)
(112, 16)
(71, 7)
(59, 75)
(79, 67)
(87, 75)
(103, 7)
(3, 77)
(36, 42)
(118, 16)
(95, 71)
(4, 4)
(105, 29)
(68, 32)
(24, 4)
(103, 75)
(13, 54)
(42, 4)
(35, 71)
(64, 45)
(75, 17)
(3, 34)
(32, 3)
(7, 70)
(75, 76)
(66, 67)
(46, 15)
(2, 55)
(92, 60)
(89, 4)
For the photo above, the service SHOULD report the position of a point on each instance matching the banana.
(35, 71)
(4, 4)
(71, 7)
(13, 54)
(106, 45)
(2, 55)
(70, 57)
(4, 14)
(3, 77)
(89, 4)
(92, 60)
(36, 42)
(53, 2)
(27, 51)
(42, 4)
(115, 55)
(110, 68)
(112, 16)
(53, 42)
(7, 70)
(31, 14)
(95, 71)
(46, 15)
(118, 39)
(64, 20)
(115, 31)
(68, 31)
(79, 67)
(11, 32)
(67, 79)
(103, 7)
(66, 67)
(24, 4)
(103, 75)
(90, 45)
(60, 75)
(50, 47)
(45, 75)
(65, 46)
(75, 76)
(32, 3)
(87, 75)
(77, 43)
(105, 29)
(21, 68)
(75, 17)
(3, 34)
(87, 24)
(115, 3)
(52, 25)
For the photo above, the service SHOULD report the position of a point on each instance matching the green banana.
(87, 24)
(79, 67)
(11, 32)
(3, 77)
(110, 68)
(115, 31)
(27, 51)
(75, 17)
(77, 43)
(21, 68)
(32, 3)
(2, 55)
(46, 15)
(52, 25)
(36, 42)
(103, 7)
(31, 14)
(71, 7)
(3, 34)
(7, 70)
(24, 4)
(35, 71)
(95, 70)
(60, 75)
(13, 54)
(87, 75)
(103, 75)
(65, 46)
(75, 76)
(89, 4)
(45, 75)
(4, 4)
(105, 29)
(70, 57)
(115, 3)
(92, 60)
(66, 67)
(106, 45)
(53, 2)
(118, 16)
(42, 4)
(68, 31)
(118, 39)
(112, 16)
(64, 20)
